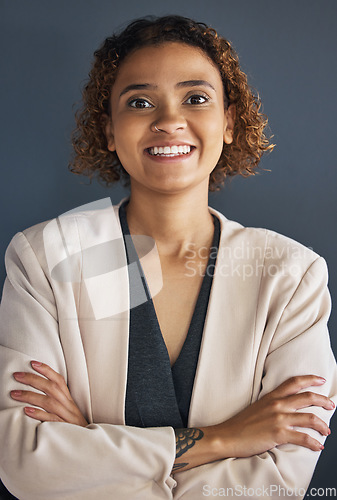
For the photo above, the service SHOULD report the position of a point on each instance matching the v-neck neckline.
(211, 261)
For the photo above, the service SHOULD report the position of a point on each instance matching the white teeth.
(169, 151)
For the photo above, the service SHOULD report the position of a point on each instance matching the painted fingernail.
(36, 364)
(332, 404)
(322, 380)
(19, 374)
(321, 447)
(16, 393)
(29, 410)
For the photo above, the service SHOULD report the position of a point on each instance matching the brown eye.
(197, 99)
(139, 104)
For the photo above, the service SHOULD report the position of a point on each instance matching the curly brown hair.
(242, 156)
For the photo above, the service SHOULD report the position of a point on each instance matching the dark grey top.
(158, 395)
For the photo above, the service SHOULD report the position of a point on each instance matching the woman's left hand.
(56, 402)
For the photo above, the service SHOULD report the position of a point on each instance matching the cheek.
(213, 124)
(214, 132)
(127, 133)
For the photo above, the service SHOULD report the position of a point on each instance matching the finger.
(295, 384)
(49, 404)
(311, 421)
(41, 415)
(43, 384)
(305, 399)
(302, 439)
(52, 375)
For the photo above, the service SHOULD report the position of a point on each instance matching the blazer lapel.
(104, 312)
(223, 382)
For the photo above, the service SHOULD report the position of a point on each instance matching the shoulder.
(275, 253)
(67, 234)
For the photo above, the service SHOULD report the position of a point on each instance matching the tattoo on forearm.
(176, 467)
(186, 439)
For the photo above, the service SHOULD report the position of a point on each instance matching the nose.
(169, 120)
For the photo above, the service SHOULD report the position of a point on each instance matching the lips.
(169, 151)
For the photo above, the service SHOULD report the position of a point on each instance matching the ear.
(108, 128)
(230, 115)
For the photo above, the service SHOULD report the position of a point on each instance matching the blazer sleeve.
(299, 345)
(54, 460)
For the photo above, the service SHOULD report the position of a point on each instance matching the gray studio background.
(288, 49)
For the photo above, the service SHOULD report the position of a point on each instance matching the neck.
(174, 221)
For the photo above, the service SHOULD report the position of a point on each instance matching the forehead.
(169, 61)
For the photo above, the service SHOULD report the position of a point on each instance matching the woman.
(164, 351)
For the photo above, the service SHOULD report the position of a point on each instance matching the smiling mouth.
(167, 151)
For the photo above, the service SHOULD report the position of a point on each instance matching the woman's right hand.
(270, 421)
(266, 423)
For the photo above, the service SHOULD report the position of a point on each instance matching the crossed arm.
(267, 423)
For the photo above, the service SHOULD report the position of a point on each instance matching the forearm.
(83, 463)
(268, 475)
(262, 426)
(198, 446)
(211, 462)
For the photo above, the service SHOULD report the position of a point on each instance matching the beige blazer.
(66, 303)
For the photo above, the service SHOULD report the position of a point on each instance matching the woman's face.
(168, 124)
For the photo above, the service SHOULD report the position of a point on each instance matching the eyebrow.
(187, 83)
(137, 86)
(195, 83)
